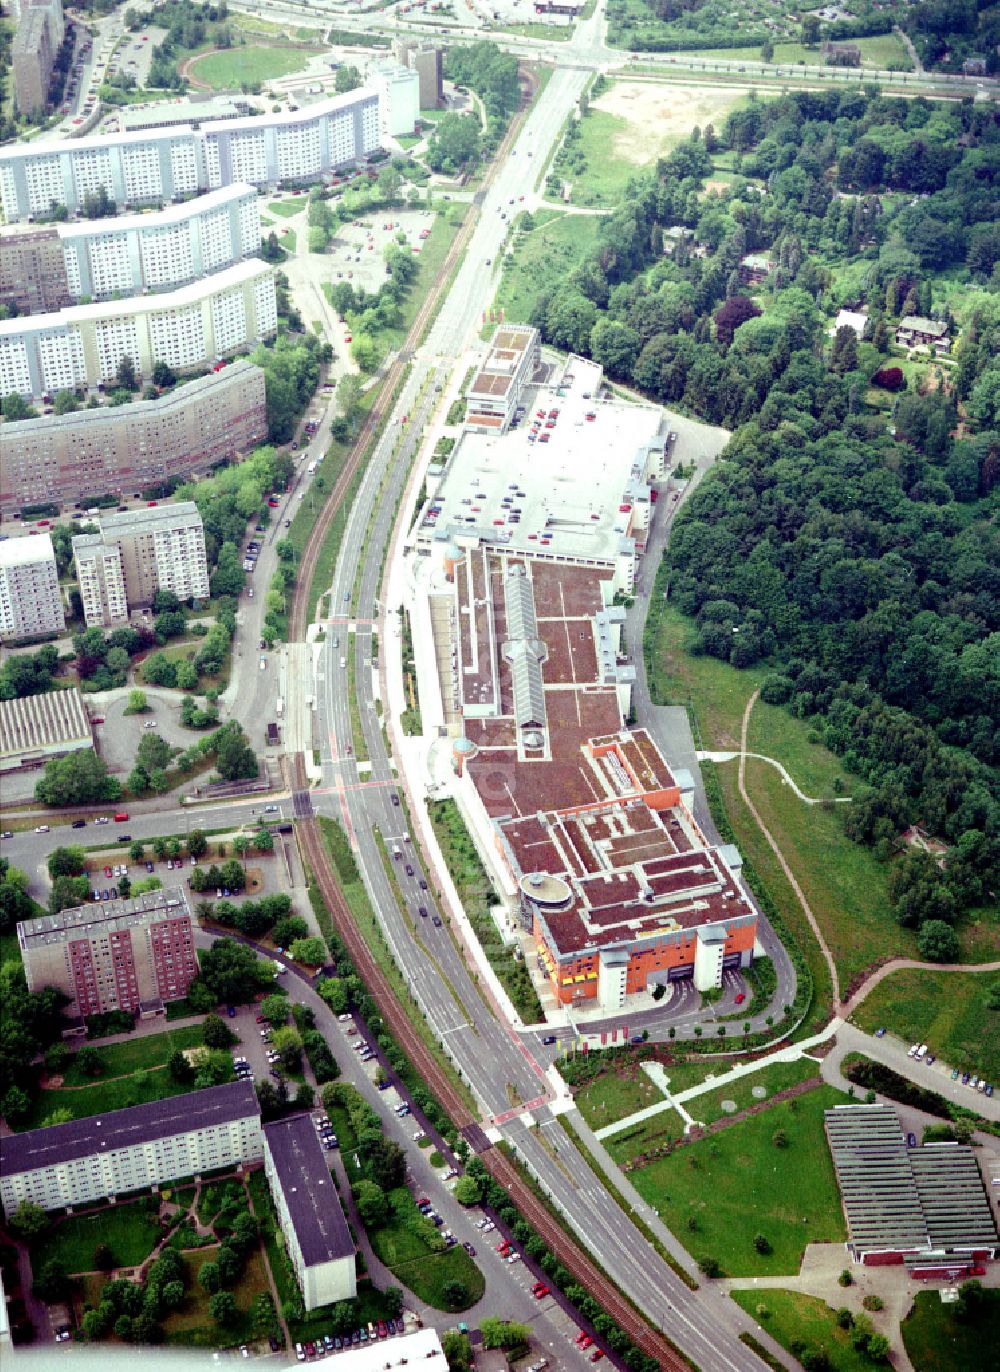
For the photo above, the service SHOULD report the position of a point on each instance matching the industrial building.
(83, 346)
(123, 449)
(924, 1207)
(152, 167)
(132, 955)
(564, 477)
(47, 268)
(36, 728)
(136, 553)
(37, 40)
(92, 1160)
(312, 1220)
(31, 603)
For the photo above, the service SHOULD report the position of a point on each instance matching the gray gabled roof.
(898, 1198)
(523, 649)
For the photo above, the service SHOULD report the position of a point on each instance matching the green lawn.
(129, 1231)
(877, 53)
(9, 948)
(793, 1315)
(651, 1133)
(542, 258)
(136, 1054)
(415, 1265)
(288, 208)
(818, 772)
(193, 1326)
(256, 62)
(843, 882)
(737, 1183)
(715, 692)
(937, 1342)
(707, 1107)
(946, 1010)
(756, 848)
(147, 1079)
(613, 1096)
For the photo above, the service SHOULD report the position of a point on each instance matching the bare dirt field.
(658, 115)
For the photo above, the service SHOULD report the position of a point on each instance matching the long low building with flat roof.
(124, 449)
(312, 1219)
(100, 1158)
(83, 346)
(36, 728)
(567, 480)
(154, 166)
(926, 1206)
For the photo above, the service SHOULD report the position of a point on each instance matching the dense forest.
(847, 537)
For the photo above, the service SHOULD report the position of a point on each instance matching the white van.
(921, 1052)
(311, 468)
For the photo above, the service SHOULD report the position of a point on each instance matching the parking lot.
(356, 251)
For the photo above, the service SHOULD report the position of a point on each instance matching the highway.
(589, 50)
(501, 1070)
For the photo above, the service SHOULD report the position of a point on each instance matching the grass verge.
(947, 1010)
(722, 1190)
(938, 1341)
(477, 897)
(792, 1317)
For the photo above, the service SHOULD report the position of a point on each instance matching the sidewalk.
(790, 1053)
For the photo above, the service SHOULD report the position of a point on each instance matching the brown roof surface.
(490, 383)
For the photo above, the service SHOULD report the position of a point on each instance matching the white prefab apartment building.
(88, 1160)
(137, 553)
(157, 252)
(399, 96)
(309, 1212)
(30, 602)
(155, 166)
(84, 345)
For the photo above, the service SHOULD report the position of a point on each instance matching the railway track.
(571, 1254)
(566, 1249)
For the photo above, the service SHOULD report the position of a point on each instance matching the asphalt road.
(508, 1286)
(500, 1068)
(588, 47)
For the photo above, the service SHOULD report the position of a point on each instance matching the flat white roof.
(143, 304)
(172, 214)
(571, 494)
(421, 1347)
(52, 147)
(289, 118)
(21, 552)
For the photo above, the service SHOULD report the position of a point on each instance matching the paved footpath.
(789, 1053)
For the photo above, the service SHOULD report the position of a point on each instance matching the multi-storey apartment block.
(33, 270)
(37, 41)
(309, 1211)
(128, 955)
(157, 165)
(399, 96)
(137, 553)
(428, 62)
(70, 458)
(30, 602)
(85, 344)
(51, 267)
(92, 1160)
